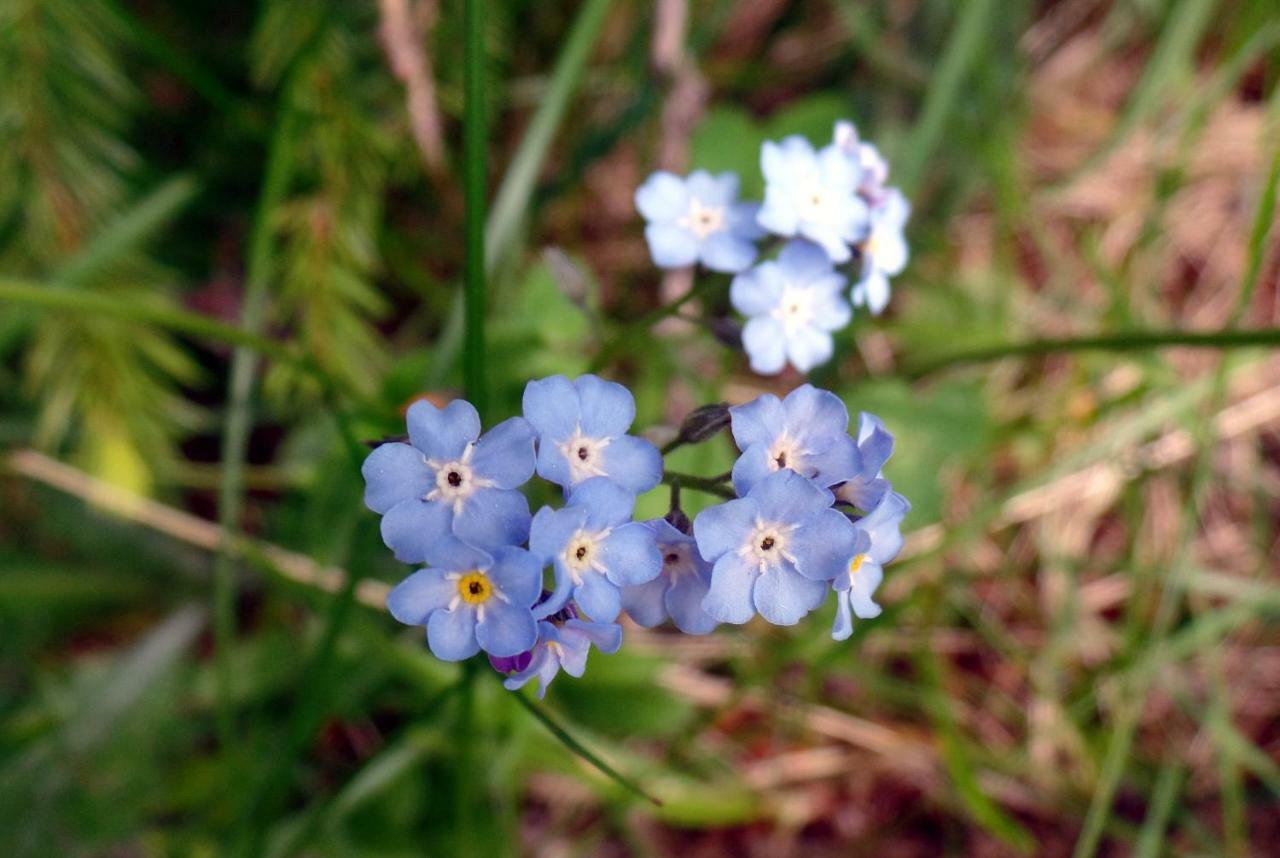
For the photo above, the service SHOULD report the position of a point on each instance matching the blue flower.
(879, 541)
(698, 219)
(884, 253)
(873, 166)
(865, 488)
(813, 195)
(565, 647)
(680, 588)
(582, 433)
(471, 601)
(807, 433)
(596, 549)
(792, 306)
(447, 487)
(774, 550)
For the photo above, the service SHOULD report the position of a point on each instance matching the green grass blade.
(474, 174)
(1165, 795)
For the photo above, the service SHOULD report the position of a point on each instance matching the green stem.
(235, 436)
(1125, 341)
(709, 485)
(473, 154)
(567, 739)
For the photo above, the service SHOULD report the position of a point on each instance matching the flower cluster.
(811, 513)
(833, 208)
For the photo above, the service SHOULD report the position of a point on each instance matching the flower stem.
(710, 485)
(473, 156)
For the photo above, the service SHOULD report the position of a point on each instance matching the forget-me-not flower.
(813, 195)
(884, 253)
(472, 600)
(678, 590)
(698, 219)
(865, 488)
(596, 549)
(879, 541)
(564, 646)
(807, 433)
(792, 306)
(774, 550)
(445, 485)
(582, 433)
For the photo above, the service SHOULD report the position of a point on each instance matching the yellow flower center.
(475, 588)
(856, 563)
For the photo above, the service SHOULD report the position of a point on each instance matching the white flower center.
(855, 564)
(582, 554)
(702, 220)
(786, 453)
(455, 481)
(585, 456)
(766, 546)
(795, 307)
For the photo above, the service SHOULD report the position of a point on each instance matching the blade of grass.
(567, 739)
(474, 175)
(1168, 785)
(944, 88)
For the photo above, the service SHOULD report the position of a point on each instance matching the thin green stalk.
(709, 485)
(235, 436)
(464, 793)
(567, 739)
(1123, 341)
(473, 155)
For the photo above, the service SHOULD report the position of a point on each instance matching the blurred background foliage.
(1078, 653)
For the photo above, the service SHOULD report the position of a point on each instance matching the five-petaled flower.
(813, 195)
(563, 646)
(867, 486)
(678, 590)
(884, 253)
(582, 433)
(774, 550)
(596, 549)
(792, 306)
(446, 487)
(471, 600)
(807, 433)
(698, 219)
(879, 541)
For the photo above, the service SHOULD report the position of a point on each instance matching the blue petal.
(607, 637)
(873, 290)
(451, 635)
(823, 545)
(722, 528)
(807, 349)
(843, 625)
(753, 293)
(803, 261)
(575, 647)
(493, 517)
(712, 191)
(394, 473)
(743, 221)
(553, 465)
(874, 441)
(786, 496)
(829, 238)
(415, 530)
(633, 463)
(662, 197)
(884, 525)
(777, 214)
(552, 529)
(862, 493)
(551, 406)
(558, 597)
(782, 596)
(765, 342)
(684, 603)
(543, 665)
(759, 421)
(630, 555)
(607, 408)
(518, 574)
(605, 502)
(865, 582)
(505, 453)
(671, 246)
(443, 434)
(726, 252)
(817, 412)
(506, 629)
(598, 598)
(834, 460)
(413, 599)
(646, 603)
(750, 468)
(729, 597)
